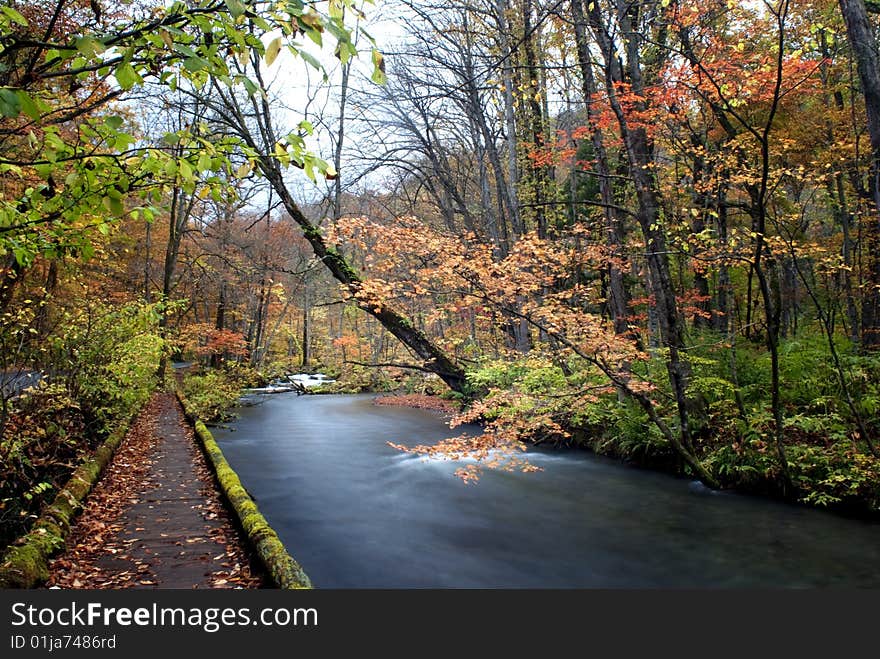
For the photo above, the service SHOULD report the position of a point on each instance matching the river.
(357, 513)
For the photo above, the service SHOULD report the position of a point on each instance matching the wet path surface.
(156, 519)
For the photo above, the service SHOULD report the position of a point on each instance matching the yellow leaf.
(272, 50)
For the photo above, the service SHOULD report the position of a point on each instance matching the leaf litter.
(100, 555)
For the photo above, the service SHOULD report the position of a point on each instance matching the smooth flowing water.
(357, 513)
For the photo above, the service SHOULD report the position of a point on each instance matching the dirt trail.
(156, 519)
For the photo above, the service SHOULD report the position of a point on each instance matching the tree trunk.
(618, 297)
(703, 204)
(508, 77)
(178, 217)
(721, 321)
(10, 276)
(220, 320)
(306, 329)
(540, 176)
(147, 249)
(262, 141)
(259, 321)
(41, 322)
(639, 152)
(340, 141)
(865, 50)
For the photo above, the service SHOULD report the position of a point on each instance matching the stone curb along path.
(156, 519)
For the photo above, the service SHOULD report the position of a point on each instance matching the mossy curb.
(284, 571)
(26, 562)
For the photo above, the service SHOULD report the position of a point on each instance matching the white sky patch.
(300, 92)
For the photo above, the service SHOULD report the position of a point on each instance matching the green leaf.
(311, 60)
(10, 103)
(45, 171)
(338, 30)
(127, 77)
(250, 86)
(54, 146)
(195, 64)
(89, 47)
(22, 256)
(113, 122)
(123, 141)
(184, 50)
(343, 54)
(14, 16)
(260, 22)
(185, 170)
(378, 76)
(28, 106)
(113, 205)
(51, 55)
(236, 7)
(272, 51)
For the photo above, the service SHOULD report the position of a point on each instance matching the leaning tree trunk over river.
(261, 140)
(436, 360)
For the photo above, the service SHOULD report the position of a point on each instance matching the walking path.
(156, 519)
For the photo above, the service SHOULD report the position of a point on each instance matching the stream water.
(357, 513)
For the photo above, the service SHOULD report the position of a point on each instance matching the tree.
(627, 92)
(863, 41)
(251, 121)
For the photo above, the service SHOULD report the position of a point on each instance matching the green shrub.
(113, 356)
(623, 430)
(835, 475)
(750, 464)
(212, 394)
(101, 364)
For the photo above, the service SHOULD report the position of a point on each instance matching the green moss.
(59, 528)
(27, 564)
(23, 567)
(81, 483)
